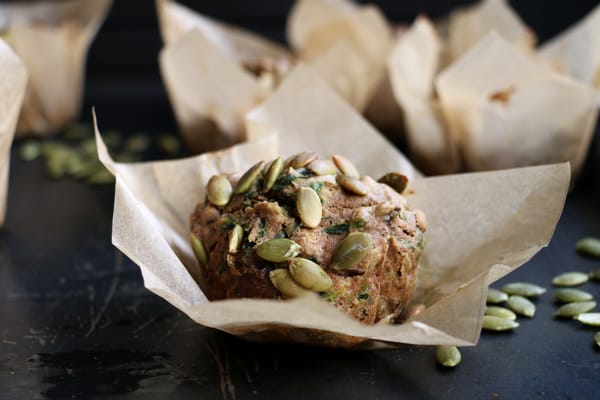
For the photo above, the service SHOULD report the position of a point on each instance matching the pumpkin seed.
(521, 305)
(282, 280)
(395, 180)
(30, 150)
(138, 143)
(199, 250)
(523, 289)
(235, 239)
(247, 180)
(597, 339)
(100, 177)
(309, 274)
(591, 319)
(571, 309)
(278, 250)
(301, 160)
(492, 323)
(589, 246)
(500, 312)
(594, 275)
(569, 295)
(352, 250)
(352, 184)
(448, 356)
(495, 296)
(322, 167)
(570, 279)
(219, 190)
(309, 207)
(169, 144)
(272, 173)
(345, 166)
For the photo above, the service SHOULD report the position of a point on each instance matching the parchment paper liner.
(52, 39)
(481, 226)
(210, 91)
(13, 80)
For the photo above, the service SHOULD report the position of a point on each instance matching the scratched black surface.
(76, 321)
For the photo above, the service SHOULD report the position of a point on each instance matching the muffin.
(306, 225)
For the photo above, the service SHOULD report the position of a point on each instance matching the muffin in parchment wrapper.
(468, 247)
(494, 104)
(52, 39)
(13, 80)
(214, 73)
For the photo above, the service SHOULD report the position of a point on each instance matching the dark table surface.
(76, 321)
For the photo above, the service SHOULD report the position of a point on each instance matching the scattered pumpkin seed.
(322, 167)
(589, 246)
(448, 356)
(169, 144)
(498, 324)
(219, 190)
(272, 173)
(597, 339)
(523, 289)
(301, 160)
(283, 281)
(352, 250)
(500, 312)
(247, 180)
(591, 319)
(495, 296)
(278, 250)
(137, 143)
(352, 184)
(309, 207)
(569, 295)
(199, 250)
(309, 274)
(345, 166)
(571, 309)
(395, 180)
(594, 275)
(570, 279)
(30, 150)
(235, 239)
(521, 305)
(100, 177)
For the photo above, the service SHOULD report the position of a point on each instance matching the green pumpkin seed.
(272, 173)
(521, 305)
(498, 324)
(571, 309)
(345, 166)
(352, 184)
(569, 295)
(235, 239)
(352, 250)
(495, 296)
(570, 279)
(322, 167)
(594, 275)
(395, 180)
(278, 250)
(247, 180)
(309, 274)
(301, 160)
(199, 250)
(591, 319)
(309, 207)
(169, 144)
(523, 289)
(219, 190)
(589, 246)
(283, 281)
(500, 312)
(597, 339)
(101, 176)
(138, 143)
(30, 150)
(448, 356)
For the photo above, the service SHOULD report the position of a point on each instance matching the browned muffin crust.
(378, 287)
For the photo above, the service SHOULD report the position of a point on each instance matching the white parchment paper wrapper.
(13, 80)
(475, 235)
(52, 39)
